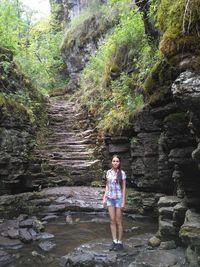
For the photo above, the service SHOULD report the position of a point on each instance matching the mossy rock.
(157, 86)
(92, 28)
(183, 44)
(180, 24)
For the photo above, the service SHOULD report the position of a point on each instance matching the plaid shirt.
(114, 188)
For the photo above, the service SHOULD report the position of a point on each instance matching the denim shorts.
(114, 202)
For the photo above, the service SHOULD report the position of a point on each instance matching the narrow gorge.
(54, 151)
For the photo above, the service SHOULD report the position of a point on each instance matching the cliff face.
(17, 127)
(161, 149)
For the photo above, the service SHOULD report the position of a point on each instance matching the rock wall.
(80, 43)
(17, 130)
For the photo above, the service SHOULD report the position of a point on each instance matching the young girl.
(114, 199)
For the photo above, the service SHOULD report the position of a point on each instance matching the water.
(86, 227)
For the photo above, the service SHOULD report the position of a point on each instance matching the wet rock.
(168, 244)
(38, 226)
(9, 224)
(168, 201)
(6, 258)
(78, 259)
(56, 208)
(155, 259)
(166, 213)
(96, 253)
(167, 229)
(179, 214)
(26, 223)
(10, 243)
(45, 236)
(46, 245)
(25, 236)
(22, 217)
(13, 233)
(192, 256)
(41, 202)
(49, 217)
(190, 230)
(187, 87)
(33, 233)
(154, 242)
(61, 200)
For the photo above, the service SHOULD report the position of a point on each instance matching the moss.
(180, 25)
(158, 83)
(170, 47)
(161, 74)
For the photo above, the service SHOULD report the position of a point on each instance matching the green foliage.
(118, 109)
(41, 59)
(114, 101)
(11, 23)
(20, 105)
(36, 47)
(178, 17)
(94, 7)
(170, 17)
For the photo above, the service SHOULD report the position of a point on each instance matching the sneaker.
(119, 246)
(113, 246)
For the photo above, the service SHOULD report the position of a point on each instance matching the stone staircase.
(69, 154)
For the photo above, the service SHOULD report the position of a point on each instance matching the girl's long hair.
(119, 173)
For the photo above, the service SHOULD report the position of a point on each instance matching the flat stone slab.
(46, 245)
(168, 201)
(10, 243)
(75, 198)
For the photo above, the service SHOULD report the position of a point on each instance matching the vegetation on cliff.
(180, 24)
(111, 81)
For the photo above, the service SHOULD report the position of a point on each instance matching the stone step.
(73, 163)
(70, 142)
(75, 133)
(70, 156)
(68, 148)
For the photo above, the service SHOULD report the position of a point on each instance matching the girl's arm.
(105, 196)
(123, 194)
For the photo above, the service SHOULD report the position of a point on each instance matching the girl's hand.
(104, 203)
(123, 205)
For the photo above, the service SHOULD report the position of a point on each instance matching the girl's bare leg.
(119, 223)
(113, 225)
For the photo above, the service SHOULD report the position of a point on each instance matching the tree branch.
(150, 30)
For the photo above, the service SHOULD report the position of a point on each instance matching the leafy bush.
(11, 24)
(40, 58)
(118, 109)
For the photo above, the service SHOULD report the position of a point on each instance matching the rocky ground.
(26, 229)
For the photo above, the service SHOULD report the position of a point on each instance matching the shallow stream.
(83, 228)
